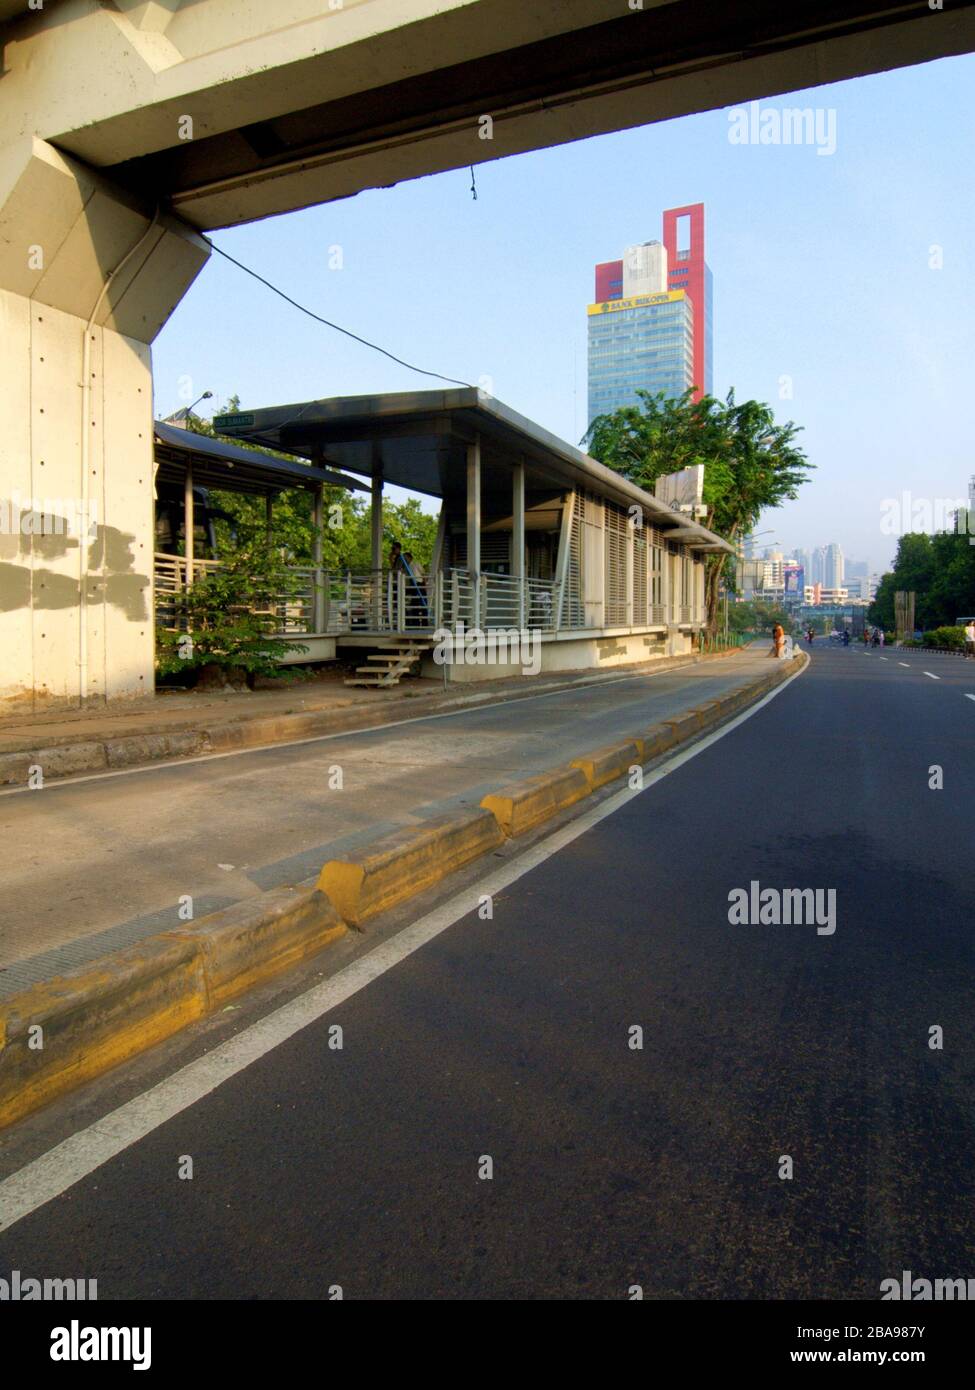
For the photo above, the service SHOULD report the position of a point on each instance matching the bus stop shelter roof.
(220, 463)
(420, 439)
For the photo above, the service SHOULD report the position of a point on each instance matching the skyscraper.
(689, 271)
(650, 324)
(833, 577)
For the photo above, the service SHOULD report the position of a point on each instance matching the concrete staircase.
(392, 659)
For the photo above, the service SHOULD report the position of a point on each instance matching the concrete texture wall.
(582, 653)
(87, 278)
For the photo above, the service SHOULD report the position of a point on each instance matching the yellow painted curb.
(521, 805)
(70, 1029)
(709, 712)
(256, 939)
(608, 763)
(656, 740)
(685, 725)
(406, 862)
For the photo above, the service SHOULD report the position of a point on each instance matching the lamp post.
(189, 409)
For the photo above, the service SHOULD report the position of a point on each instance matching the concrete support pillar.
(318, 602)
(87, 279)
(518, 537)
(376, 514)
(435, 588)
(376, 537)
(189, 522)
(474, 525)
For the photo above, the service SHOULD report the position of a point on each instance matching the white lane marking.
(885, 658)
(904, 663)
(80, 1154)
(472, 708)
(969, 697)
(933, 677)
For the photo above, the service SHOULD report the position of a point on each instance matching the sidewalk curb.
(606, 764)
(405, 862)
(85, 755)
(58, 1035)
(520, 806)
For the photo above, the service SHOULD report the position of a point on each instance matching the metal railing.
(497, 601)
(170, 580)
(293, 609)
(718, 641)
(383, 601)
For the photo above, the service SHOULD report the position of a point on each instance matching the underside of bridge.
(129, 126)
(303, 101)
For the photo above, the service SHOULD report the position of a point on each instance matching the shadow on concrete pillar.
(88, 277)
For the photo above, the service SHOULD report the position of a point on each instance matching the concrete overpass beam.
(87, 279)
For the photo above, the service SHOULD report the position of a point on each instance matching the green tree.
(226, 620)
(940, 570)
(951, 594)
(751, 463)
(757, 616)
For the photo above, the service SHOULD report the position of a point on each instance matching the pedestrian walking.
(970, 638)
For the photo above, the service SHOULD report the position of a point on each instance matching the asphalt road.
(612, 1166)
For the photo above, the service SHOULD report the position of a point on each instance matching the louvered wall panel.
(640, 577)
(616, 545)
(573, 612)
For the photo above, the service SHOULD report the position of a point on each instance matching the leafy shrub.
(953, 637)
(226, 618)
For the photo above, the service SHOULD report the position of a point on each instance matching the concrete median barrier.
(657, 740)
(258, 938)
(146, 748)
(67, 1031)
(709, 712)
(608, 763)
(405, 862)
(685, 726)
(520, 806)
(58, 1035)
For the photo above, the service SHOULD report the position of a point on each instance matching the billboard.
(683, 491)
(613, 306)
(793, 579)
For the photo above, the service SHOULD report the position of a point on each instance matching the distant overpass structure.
(130, 127)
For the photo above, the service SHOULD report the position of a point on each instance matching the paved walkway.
(170, 710)
(93, 864)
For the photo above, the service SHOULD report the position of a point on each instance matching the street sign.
(229, 422)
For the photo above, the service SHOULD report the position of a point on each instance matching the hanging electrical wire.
(454, 381)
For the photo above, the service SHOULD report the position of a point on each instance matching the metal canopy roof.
(220, 463)
(420, 438)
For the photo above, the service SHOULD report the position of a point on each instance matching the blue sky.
(821, 273)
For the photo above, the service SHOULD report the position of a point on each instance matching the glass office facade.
(647, 347)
